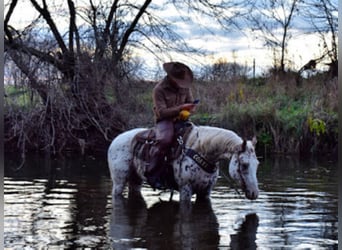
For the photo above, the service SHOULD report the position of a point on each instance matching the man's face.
(173, 83)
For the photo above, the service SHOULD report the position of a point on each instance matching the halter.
(231, 181)
(243, 183)
(243, 149)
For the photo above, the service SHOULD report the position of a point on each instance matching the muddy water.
(66, 204)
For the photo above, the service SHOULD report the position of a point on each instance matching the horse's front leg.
(203, 196)
(185, 194)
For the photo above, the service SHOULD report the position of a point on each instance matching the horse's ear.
(254, 141)
(243, 146)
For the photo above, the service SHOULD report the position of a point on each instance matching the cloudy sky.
(205, 34)
(242, 46)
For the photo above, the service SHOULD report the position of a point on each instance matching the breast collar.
(201, 161)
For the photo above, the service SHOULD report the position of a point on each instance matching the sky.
(242, 47)
(233, 46)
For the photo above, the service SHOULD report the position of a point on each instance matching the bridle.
(242, 179)
(232, 182)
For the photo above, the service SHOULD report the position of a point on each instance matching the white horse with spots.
(207, 145)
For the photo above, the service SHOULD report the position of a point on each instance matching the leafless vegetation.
(75, 88)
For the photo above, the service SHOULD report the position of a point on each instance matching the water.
(66, 204)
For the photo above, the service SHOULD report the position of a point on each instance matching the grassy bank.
(287, 116)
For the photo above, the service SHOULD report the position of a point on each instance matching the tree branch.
(110, 17)
(72, 25)
(7, 18)
(46, 14)
(130, 30)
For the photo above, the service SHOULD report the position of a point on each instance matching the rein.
(232, 182)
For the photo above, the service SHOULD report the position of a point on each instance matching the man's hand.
(188, 106)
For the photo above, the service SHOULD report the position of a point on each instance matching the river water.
(66, 204)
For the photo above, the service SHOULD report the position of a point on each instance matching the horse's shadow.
(165, 225)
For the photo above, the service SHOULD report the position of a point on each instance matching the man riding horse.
(185, 158)
(171, 96)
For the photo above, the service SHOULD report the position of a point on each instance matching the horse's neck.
(214, 143)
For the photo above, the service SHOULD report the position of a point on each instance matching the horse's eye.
(244, 166)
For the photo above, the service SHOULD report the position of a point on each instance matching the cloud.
(204, 33)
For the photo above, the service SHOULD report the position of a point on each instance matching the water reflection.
(56, 204)
(127, 218)
(67, 204)
(164, 225)
(246, 236)
(35, 217)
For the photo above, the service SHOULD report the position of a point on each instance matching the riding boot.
(153, 174)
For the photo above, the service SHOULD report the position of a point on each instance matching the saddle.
(144, 141)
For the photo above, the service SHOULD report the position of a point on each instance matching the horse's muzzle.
(252, 194)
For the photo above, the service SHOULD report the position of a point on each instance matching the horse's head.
(243, 167)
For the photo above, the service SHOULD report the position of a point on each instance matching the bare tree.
(272, 21)
(79, 67)
(72, 67)
(322, 15)
(224, 71)
(99, 37)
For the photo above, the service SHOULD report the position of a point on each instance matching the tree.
(322, 15)
(84, 70)
(224, 71)
(272, 20)
(72, 67)
(99, 38)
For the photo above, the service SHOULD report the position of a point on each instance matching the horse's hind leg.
(118, 161)
(122, 173)
(119, 179)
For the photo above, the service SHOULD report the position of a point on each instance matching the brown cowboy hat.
(180, 73)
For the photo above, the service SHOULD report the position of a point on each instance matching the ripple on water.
(291, 212)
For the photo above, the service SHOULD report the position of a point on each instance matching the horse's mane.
(213, 141)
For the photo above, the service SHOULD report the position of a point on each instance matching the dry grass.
(286, 116)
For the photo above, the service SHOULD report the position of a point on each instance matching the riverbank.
(287, 114)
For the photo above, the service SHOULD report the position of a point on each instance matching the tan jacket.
(167, 100)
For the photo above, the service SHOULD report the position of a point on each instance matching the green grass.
(20, 98)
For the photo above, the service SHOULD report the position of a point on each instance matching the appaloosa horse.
(195, 169)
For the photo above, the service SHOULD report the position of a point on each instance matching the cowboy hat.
(180, 73)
